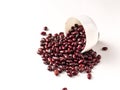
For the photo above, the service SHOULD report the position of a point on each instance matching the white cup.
(90, 28)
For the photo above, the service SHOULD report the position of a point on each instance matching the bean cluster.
(62, 53)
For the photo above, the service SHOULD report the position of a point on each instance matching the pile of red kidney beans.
(62, 53)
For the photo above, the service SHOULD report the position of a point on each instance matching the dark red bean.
(43, 33)
(63, 67)
(98, 61)
(79, 47)
(69, 50)
(94, 54)
(60, 70)
(44, 59)
(56, 34)
(81, 61)
(76, 25)
(75, 44)
(65, 55)
(90, 58)
(64, 88)
(74, 72)
(49, 35)
(91, 66)
(42, 40)
(69, 74)
(56, 72)
(45, 28)
(57, 50)
(99, 56)
(72, 27)
(63, 47)
(47, 40)
(81, 69)
(88, 70)
(46, 62)
(77, 51)
(73, 39)
(104, 48)
(56, 44)
(49, 45)
(74, 33)
(50, 68)
(74, 56)
(70, 46)
(40, 51)
(50, 59)
(89, 76)
(81, 65)
(79, 39)
(42, 45)
(70, 41)
(60, 47)
(75, 60)
(62, 51)
(61, 33)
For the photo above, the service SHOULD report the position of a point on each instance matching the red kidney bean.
(69, 74)
(74, 72)
(104, 48)
(45, 28)
(50, 68)
(49, 35)
(43, 33)
(99, 56)
(76, 25)
(79, 47)
(89, 76)
(81, 61)
(60, 70)
(42, 40)
(64, 88)
(40, 51)
(56, 72)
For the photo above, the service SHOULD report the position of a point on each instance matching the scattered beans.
(104, 48)
(62, 53)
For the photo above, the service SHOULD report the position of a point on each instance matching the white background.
(21, 22)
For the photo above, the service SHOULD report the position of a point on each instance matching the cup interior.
(89, 27)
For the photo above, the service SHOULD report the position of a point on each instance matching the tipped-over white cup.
(90, 28)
